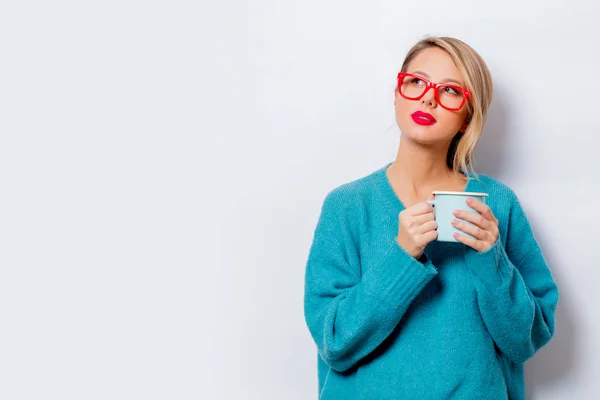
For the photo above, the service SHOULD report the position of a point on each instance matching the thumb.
(431, 197)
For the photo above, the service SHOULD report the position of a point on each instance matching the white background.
(163, 163)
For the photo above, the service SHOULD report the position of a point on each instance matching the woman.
(396, 314)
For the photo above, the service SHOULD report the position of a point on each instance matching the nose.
(429, 97)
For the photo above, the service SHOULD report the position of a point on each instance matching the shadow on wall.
(556, 360)
(493, 142)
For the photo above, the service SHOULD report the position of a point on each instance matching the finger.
(473, 243)
(482, 208)
(471, 229)
(427, 227)
(428, 237)
(423, 218)
(420, 209)
(474, 218)
(431, 197)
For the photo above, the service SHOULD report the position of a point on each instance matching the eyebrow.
(445, 80)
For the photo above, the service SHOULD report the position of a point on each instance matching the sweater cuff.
(492, 267)
(397, 275)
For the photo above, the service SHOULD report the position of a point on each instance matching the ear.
(395, 97)
(465, 124)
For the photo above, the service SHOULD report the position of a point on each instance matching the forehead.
(436, 63)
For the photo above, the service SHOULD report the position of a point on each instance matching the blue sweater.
(458, 324)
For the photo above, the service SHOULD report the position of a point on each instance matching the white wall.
(162, 166)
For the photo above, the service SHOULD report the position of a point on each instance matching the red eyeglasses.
(450, 97)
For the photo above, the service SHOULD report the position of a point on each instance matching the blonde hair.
(478, 80)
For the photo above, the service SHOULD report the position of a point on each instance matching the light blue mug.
(444, 205)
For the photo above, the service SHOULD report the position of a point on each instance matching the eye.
(416, 81)
(450, 90)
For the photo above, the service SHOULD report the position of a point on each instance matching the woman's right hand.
(416, 228)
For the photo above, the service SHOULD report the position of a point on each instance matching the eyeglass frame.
(435, 87)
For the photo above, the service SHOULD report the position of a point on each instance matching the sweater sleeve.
(349, 312)
(516, 293)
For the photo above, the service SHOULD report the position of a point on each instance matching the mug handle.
(432, 202)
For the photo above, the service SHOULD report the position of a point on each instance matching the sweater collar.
(391, 200)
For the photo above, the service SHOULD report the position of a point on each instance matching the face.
(435, 65)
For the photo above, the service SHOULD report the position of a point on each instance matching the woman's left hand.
(484, 228)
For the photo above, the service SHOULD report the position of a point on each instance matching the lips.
(422, 118)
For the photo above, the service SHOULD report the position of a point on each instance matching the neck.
(422, 168)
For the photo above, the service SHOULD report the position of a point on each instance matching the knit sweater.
(456, 324)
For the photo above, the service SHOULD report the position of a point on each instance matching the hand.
(416, 228)
(485, 228)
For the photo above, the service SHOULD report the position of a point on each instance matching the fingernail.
(469, 200)
(456, 212)
(454, 222)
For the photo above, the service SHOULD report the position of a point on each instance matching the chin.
(422, 134)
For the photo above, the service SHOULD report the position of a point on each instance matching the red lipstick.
(422, 118)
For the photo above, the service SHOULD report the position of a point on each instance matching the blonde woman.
(396, 314)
